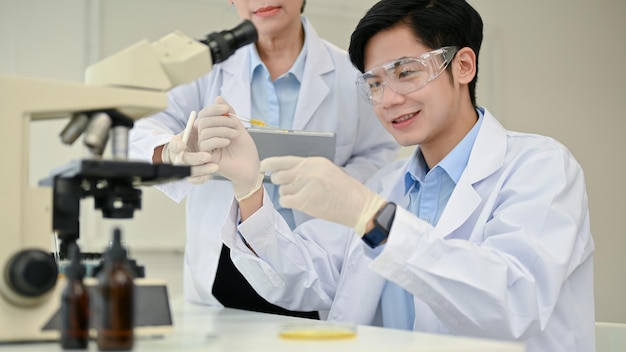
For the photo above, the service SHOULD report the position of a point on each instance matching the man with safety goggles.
(405, 75)
(482, 232)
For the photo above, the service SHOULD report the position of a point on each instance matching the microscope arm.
(173, 60)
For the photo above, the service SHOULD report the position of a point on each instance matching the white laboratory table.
(203, 328)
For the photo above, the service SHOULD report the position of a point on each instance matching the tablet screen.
(278, 142)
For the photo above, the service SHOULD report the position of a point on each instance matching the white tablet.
(278, 142)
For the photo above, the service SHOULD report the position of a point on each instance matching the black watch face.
(384, 219)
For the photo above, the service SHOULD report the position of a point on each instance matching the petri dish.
(317, 331)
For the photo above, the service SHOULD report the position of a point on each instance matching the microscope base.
(25, 324)
(152, 314)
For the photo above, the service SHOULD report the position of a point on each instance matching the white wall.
(550, 67)
(557, 71)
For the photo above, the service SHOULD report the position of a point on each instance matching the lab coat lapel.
(236, 78)
(461, 205)
(487, 157)
(313, 88)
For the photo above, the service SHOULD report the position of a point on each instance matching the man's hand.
(322, 189)
(232, 149)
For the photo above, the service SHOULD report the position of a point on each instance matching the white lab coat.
(328, 101)
(510, 258)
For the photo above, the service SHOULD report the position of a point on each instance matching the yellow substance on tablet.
(254, 122)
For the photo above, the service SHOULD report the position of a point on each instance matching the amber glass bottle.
(115, 299)
(75, 305)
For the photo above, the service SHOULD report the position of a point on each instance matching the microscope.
(117, 91)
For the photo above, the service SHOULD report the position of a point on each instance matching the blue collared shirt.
(275, 103)
(429, 191)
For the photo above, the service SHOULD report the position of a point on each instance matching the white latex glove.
(178, 153)
(318, 187)
(231, 147)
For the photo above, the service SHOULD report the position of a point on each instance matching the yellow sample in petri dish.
(317, 331)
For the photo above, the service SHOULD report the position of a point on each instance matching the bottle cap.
(75, 271)
(117, 252)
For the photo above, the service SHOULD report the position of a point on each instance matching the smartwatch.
(382, 225)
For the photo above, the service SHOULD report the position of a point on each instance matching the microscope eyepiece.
(223, 44)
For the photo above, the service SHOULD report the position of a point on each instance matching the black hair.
(302, 8)
(435, 23)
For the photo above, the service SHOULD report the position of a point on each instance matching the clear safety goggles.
(404, 75)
